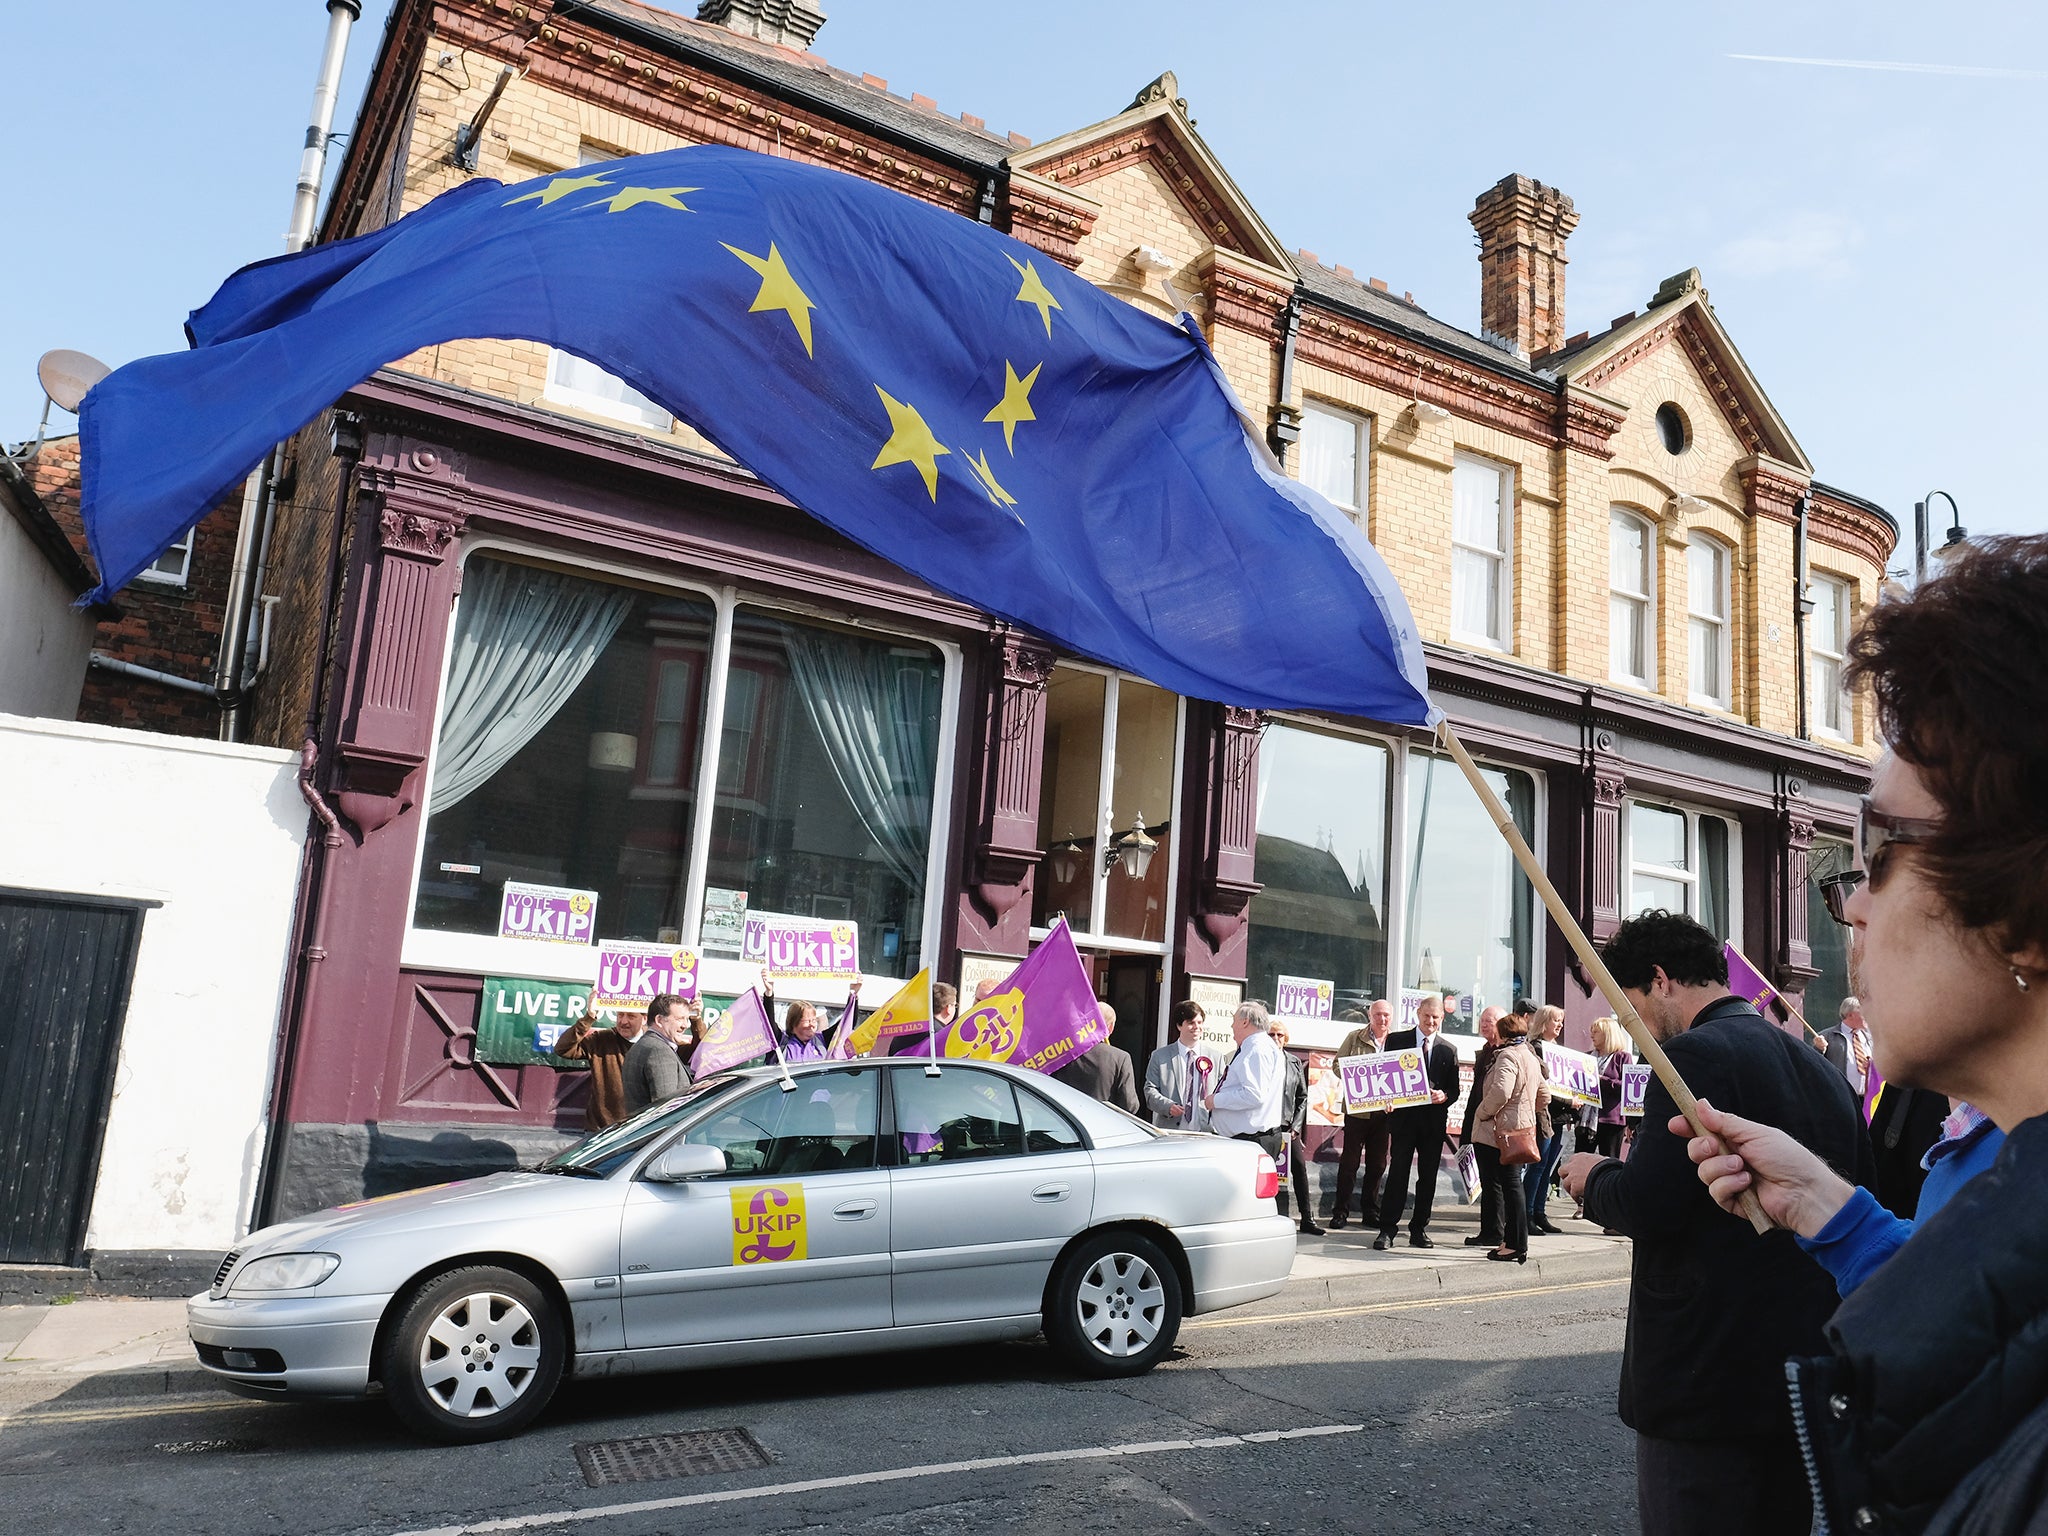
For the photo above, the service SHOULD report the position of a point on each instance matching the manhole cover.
(647, 1458)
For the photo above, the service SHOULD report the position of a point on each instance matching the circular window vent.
(1673, 428)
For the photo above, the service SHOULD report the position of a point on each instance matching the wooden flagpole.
(1589, 957)
(1781, 997)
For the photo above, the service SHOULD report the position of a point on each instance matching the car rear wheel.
(1115, 1305)
(475, 1355)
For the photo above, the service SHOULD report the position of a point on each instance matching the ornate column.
(1607, 784)
(410, 515)
(1223, 796)
(1002, 851)
(1795, 967)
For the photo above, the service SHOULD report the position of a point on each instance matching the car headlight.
(286, 1272)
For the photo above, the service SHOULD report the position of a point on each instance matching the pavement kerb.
(1371, 1283)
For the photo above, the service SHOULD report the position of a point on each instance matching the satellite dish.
(66, 376)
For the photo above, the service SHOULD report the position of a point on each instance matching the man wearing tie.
(1172, 1092)
(1848, 1047)
(1245, 1103)
(1419, 1129)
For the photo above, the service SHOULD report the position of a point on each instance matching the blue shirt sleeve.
(1862, 1235)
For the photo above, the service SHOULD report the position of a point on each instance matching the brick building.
(1601, 535)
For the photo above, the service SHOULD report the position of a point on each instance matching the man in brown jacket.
(605, 1050)
(1368, 1134)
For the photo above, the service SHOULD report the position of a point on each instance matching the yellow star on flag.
(559, 188)
(910, 442)
(779, 291)
(977, 465)
(1034, 291)
(1015, 406)
(662, 197)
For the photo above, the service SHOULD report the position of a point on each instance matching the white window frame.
(1644, 602)
(1689, 877)
(560, 391)
(488, 955)
(1502, 639)
(1723, 623)
(1361, 430)
(183, 550)
(1833, 655)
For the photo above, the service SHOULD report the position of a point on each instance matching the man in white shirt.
(1848, 1045)
(1172, 1093)
(1245, 1103)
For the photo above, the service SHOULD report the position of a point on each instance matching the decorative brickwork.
(1522, 227)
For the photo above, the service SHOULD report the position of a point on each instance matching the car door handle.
(856, 1210)
(1050, 1192)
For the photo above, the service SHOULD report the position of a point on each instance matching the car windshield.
(601, 1153)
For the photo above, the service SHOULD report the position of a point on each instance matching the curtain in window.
(524, 640)
(882, 748)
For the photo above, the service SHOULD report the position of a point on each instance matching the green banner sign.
(518, 1020)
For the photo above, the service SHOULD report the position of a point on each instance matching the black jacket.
(1714, 1309)
(1928, 1414)
(1294, 1095)
(1442, 1068)
(1104, 1072)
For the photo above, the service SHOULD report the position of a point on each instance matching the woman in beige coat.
(1515, 1099)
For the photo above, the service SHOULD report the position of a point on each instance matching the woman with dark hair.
(1930, 1413)
(1510, 1111)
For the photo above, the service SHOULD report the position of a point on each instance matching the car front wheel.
(1115, 1305)
(475, 1355)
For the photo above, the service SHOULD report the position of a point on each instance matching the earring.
(2021, 981)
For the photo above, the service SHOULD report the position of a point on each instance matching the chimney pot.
(1407, 297)
(788, 23)
(1022, 141)
(1344, 271)
(1309, 256)
(873, 82)
(923, 101)
(1377, 283)
(972, 121)
(1522, 227)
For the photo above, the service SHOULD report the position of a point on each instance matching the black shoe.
(1337, 1222)
(1310, 1229)
(1544, 1226)
(1508, 1258)
(1482, 1242)
(1421, 1240)
(1383, 1242)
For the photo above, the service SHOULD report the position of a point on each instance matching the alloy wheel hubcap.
(480, 1355)
(1121, 1304)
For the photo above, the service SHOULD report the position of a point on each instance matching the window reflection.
(1068, 829)
(1469, 905)
(1321, 863)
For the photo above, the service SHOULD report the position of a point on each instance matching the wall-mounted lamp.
(1065, 860)
(1429, 975)
(1133, 850)
(613, 751)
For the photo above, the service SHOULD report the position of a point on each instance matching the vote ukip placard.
(1572, 1074)
(1635, 1083)
(629, 975)
(801, 947)
(1385, 1080)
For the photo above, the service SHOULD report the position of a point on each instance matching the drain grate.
(648, 1458)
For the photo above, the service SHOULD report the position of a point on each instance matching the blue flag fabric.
(952, 399)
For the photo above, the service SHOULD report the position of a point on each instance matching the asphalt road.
(1484, 1412)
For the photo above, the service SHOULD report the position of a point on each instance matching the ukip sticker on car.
(768, 1223)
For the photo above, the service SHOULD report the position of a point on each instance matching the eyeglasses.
(1876, 833)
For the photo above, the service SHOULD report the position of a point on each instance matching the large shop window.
(571, 751)
(1322, 864)
(1827, 641)
(1482, 496)
(1334, 455)
(1111, 746)
(1681, 860)
(1471, 919)
(1631, 608)
(1827, 939)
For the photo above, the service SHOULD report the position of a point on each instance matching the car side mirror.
(682, 1162)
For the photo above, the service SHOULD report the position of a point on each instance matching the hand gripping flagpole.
(1589, 957)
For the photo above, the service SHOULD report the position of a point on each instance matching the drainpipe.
(252, 537)
(1285, 428)
(1802, 605)
(108, 663)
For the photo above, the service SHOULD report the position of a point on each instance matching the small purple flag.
(1041, 1017)
(1745, 980)
(740, 1034)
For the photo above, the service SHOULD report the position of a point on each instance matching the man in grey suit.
(653, 1072)
(1848, 1045)
(1172, 1096)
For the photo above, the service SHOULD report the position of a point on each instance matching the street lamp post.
(1955, 537)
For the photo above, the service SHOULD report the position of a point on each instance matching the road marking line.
(1402, 1306)
(29, 1417)
(891, 1475)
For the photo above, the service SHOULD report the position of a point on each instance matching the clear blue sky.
(1873, 238)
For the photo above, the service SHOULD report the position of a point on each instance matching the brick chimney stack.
(791, 23)
(1522, 227)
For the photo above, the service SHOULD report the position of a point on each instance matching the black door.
(65, 965)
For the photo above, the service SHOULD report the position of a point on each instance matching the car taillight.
(1266, 1181)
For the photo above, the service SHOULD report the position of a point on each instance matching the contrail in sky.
(1976, 71)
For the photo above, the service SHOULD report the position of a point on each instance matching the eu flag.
(954, 400)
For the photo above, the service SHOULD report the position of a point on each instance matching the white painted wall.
(44, 641)
(214, 833)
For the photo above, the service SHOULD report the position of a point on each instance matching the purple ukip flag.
(1043, 1015)
(736, 1037)
(1745, 980)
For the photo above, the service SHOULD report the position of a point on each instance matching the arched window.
(1631, 600)
(1707, 620)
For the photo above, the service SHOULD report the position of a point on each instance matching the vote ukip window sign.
(547, 912)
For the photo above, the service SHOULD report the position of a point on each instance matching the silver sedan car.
(857, 1206)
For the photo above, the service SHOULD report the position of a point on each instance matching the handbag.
(1518, 1147)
